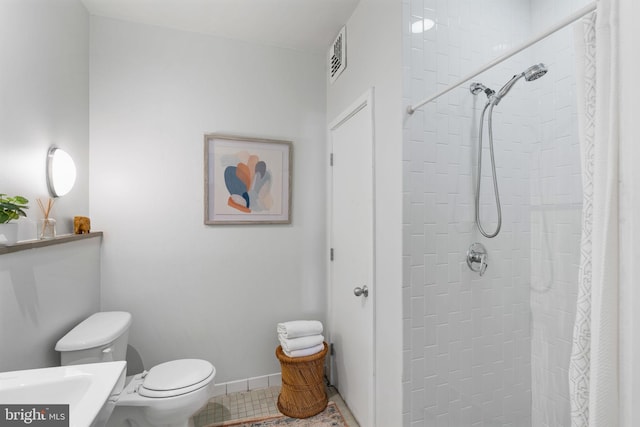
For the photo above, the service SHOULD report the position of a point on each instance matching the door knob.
(361, 291)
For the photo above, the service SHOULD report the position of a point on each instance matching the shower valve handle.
(483, 264)
(477, 254)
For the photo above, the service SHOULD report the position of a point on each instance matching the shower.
(532, 73)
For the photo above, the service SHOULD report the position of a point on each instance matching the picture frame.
(247, 180)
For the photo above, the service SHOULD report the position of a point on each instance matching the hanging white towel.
(299, 328)
(289, 345)
(305, 351)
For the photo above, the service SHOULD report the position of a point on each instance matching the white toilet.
(166, 395)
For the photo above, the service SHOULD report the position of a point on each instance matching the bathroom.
(131, 102)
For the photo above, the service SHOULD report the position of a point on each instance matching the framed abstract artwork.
(247, 180)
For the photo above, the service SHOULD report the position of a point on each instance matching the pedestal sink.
(89, 390)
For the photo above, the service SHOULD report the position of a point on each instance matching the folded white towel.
(300, 343)
(305, 351)
(299, 328)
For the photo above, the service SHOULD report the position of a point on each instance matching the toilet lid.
(176, 377)
(96, 330)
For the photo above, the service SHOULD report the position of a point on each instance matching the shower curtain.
(593, 370)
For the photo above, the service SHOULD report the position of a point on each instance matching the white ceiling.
(309, 25)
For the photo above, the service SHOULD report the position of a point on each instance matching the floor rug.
(330, 417)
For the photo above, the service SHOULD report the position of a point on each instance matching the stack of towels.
(300, 338)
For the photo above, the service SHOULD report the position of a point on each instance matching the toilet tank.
(102, 337)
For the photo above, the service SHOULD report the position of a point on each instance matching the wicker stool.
(303, 392)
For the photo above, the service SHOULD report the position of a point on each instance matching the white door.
(351, 316)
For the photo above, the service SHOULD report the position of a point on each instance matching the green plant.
(12, 207)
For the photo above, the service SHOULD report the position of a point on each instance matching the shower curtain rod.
(560, 25)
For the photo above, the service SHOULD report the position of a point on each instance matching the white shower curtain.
(593, 371)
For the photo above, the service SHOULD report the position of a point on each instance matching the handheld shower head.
(535, 72)
(532, 73)
(506, 88)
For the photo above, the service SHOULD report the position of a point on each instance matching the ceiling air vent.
(338, 56)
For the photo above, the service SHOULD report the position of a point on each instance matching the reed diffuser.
(47, 225)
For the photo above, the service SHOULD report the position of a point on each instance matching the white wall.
(374, 60)
(44, 49)
(44, 58)
(211, 292)
(44, 293)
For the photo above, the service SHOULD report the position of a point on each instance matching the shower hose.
(489, 105)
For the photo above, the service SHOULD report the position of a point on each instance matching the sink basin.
(89, 390)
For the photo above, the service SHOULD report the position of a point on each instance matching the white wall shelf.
(33, 244)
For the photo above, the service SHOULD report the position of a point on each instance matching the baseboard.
(247, 384)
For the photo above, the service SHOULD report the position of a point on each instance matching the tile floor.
(255, 403)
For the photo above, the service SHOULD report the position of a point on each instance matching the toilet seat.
(176, 377)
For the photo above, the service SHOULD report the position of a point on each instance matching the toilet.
(166, 395)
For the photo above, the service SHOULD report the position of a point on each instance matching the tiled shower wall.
(467, 338)
(476, 348)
